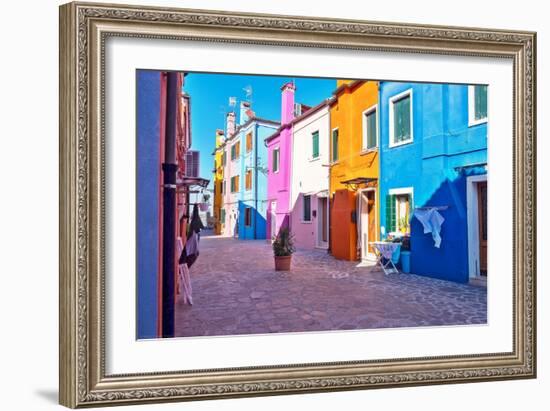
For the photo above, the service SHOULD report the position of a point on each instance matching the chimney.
(230, 124)
(246, 112)
(287, 102)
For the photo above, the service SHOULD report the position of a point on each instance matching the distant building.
(244, 167)
(219, 164)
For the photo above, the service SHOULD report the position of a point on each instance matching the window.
(398, 210)
(477, 105)
(249, 142)
(276, 156)
(223, 157)
(370, 129)
(401, 131)
(248, 216)
(306, 208)
(315, 144)
(248, 180)
(222, 215)
(335, 145)
(234, 184)
(235, 150)
(223, 187)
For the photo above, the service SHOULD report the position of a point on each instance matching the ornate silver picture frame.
(84, 30)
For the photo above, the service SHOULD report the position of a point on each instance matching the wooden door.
(324, 231)
(482, 225)
(371, 210)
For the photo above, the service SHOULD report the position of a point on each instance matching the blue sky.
(210, 102)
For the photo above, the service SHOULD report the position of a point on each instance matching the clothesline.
(432, 208)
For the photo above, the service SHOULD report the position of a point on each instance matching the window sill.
(401, 143)
(306, 222)
(473, 123)
(312, 159)
(368, 151)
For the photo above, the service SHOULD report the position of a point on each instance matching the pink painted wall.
(278, 184)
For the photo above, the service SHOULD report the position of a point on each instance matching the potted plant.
(283, 247)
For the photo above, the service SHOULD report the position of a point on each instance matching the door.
(368, 224)
(482, 226)
(322, 229)
(273, 217)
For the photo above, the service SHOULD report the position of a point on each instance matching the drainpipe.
(169, 168)
(255, 181)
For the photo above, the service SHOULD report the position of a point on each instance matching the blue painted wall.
(442, 140)
(147, 193)
(256, 198)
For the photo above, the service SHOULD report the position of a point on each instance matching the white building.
(309, 198)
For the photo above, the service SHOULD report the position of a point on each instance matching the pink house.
(279, 150)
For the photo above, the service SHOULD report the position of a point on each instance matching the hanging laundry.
(431, 221)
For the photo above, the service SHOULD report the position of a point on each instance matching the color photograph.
(281, 204)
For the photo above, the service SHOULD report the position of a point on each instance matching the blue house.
(433, 153)
(252, 167)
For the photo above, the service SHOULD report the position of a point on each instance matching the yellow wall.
(346, 114)
(218, 180)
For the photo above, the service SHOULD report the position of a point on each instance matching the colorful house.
(309, 215)
(354, 170)
(434, 155)
(219, 161)
(279, 147)
(245, 176)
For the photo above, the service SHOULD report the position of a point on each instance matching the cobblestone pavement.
(237, 291)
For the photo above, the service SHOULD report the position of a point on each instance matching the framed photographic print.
(258, 204)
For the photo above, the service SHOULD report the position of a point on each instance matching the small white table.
(384, 251)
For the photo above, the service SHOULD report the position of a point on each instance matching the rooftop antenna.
(248, 91)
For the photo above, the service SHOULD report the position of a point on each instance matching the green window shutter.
(315, 143)
(275, 160)
(371, 129)
(335, 145)
(402, 119)
(390, 214)
(480, 96)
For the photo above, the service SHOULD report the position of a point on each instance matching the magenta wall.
(278, 184)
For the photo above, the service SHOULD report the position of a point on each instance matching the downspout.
(169, 168)
(255, 181)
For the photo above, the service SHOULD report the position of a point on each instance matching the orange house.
(354, 170)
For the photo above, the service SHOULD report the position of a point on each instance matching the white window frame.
(364, 140)
(472, 107)
(278, 160)
(403, 191)
(310, 221)
(392, 100)
(332, 161)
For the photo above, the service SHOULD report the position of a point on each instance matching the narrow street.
(237, 291)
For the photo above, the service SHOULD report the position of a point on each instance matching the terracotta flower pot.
(282, 263)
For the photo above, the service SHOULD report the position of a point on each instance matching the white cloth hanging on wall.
(431, 221)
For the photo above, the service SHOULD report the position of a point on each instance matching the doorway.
(482, 226)
(273, 217)
(368, 224)
(476, 200)
(322, 222)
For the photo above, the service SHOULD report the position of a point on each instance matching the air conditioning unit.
(192, 163)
